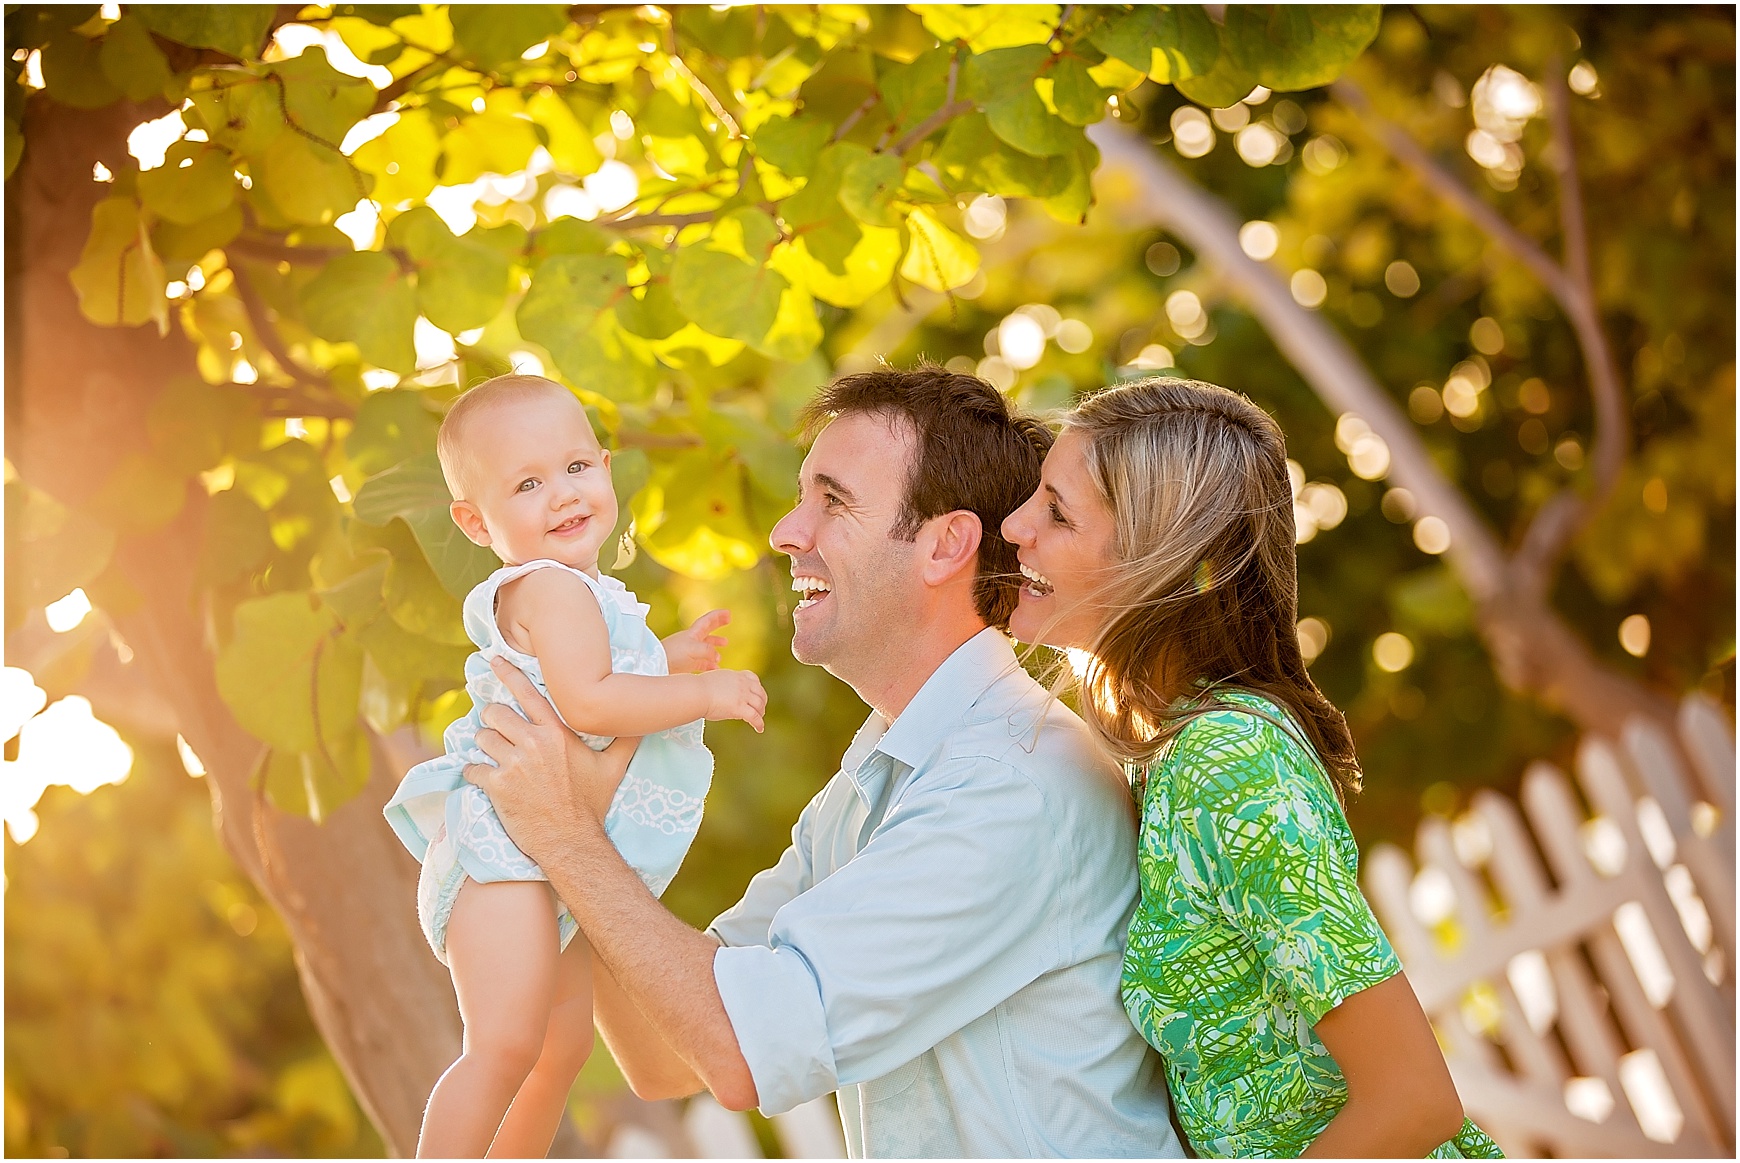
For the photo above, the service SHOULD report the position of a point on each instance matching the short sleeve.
(1282, 858)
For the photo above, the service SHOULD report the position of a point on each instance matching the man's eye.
(527, 485)
(832, 500)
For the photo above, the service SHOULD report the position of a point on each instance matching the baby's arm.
(554, 615)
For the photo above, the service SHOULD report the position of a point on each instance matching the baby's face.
(537, 483)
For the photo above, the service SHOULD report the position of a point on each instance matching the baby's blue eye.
(577, 466)
(528, 483)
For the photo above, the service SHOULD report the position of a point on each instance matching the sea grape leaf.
(365, 298)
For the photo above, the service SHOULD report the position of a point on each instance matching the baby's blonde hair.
(485, 397)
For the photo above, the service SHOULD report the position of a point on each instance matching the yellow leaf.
(988, 26)
(868, 267)
(938, 258)
(119, 278)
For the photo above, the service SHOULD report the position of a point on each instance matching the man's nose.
(791, 533)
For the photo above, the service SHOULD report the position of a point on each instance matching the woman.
(1160, 541)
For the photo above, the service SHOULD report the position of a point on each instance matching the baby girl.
(530, 480)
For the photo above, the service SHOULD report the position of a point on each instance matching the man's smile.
(813, 589)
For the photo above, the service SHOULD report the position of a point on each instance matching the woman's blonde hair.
(1203, 593)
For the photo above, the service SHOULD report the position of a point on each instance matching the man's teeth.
(1041, 586)
(809, 587)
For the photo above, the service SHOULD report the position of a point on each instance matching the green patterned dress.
(1251, 927)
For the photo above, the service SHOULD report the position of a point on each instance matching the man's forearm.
(663, 966)
(654, 1071)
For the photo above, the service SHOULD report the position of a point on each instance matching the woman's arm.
(1401, 1102)
(554, 615)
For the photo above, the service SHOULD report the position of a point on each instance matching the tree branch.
(855, 116)
(1556, 522)
(1532, 648)
(267, 333)
(930, 125)
(1165, 196)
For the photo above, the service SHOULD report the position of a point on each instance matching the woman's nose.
(1014, 528)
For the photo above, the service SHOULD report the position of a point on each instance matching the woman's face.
(1063, 534)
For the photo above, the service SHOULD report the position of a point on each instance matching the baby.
(530, 481)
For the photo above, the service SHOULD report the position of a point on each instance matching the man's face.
(860, 586)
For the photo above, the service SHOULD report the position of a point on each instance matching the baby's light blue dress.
(449, 824)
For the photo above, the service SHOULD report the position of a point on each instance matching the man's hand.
(696, 650)
(545, 782)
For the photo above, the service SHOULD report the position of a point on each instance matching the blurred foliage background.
(151, 989)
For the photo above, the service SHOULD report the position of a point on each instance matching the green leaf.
(971, 154)
(406, 662)
(284, 675)
(691, 517)
(238, 538)
(937, 257)
(1306, 45)
(186, 245)
(239, 110)
(868, 187)
(308, 181)
(913, 92)
(1002, 73)
(570, 236)
(496, 141)
(390, 428)
(651, 315)
(1025, 123)
(1078, 98)
(461, 282)
(419, 602)
(73, 72)
(1167, 41)
(792, 143)
(489, 35)
(561, 308)
(195, 182)
(725, 294)
(236, 29)
(365, 298)
(416, 492)
(119, 279)
(132, 61)
(321, 101)
(1070, 204)
(316, 784)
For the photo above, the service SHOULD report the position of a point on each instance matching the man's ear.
(947, 545)
(469, 518)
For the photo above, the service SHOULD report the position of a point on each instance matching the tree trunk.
(1533, 650)
(77, 396)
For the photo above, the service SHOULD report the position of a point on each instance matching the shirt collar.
(939, 708)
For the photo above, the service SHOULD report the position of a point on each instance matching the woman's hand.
(696, 649)
(1401, 1102)
(544, 777)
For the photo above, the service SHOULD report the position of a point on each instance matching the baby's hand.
(735, 694)
(696, 649)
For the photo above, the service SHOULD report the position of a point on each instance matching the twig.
(931, 124)
(266, 332)
(706, 94)
(855, 116)
(1557, 522)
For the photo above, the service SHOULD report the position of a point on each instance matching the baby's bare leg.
(537, 1110)
(501, 950)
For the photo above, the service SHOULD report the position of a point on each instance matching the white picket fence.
(1577, 957)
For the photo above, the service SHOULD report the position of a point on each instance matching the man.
(942, 941)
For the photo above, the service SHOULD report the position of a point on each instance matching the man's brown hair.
(971, 452)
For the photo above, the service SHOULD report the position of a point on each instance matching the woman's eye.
(1056, 515)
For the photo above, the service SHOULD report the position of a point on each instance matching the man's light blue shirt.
(942, 942)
